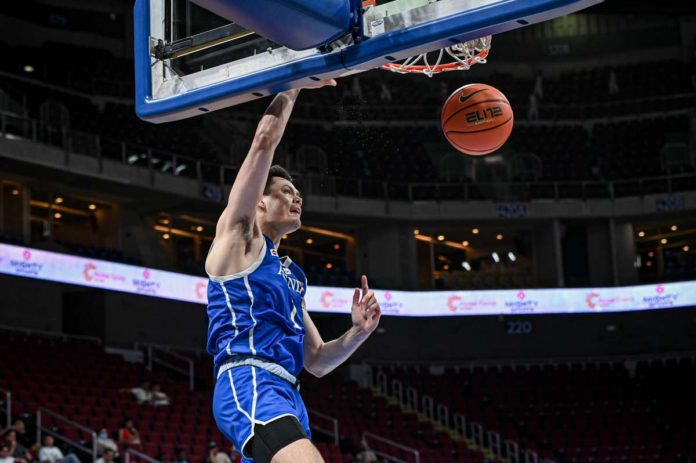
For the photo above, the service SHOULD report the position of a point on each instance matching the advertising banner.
(62, 268)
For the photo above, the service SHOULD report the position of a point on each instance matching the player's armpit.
(234, 250)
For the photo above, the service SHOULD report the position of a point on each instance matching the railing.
(50, 334)
(7, 404)
(129, 453)
(367, 436)
(439, 413)
(330, 420)
(44, 412)
(213, 177)
(156, 354)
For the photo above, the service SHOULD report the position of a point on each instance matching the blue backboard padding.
(371, 53)
(141, 43)
(296, 24)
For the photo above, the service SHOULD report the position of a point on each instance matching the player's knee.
(280, 438)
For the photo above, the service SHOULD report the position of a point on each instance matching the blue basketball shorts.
(245, 396)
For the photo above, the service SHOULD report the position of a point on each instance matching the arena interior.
(592, 197)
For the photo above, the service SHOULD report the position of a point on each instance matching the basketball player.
(260, 333)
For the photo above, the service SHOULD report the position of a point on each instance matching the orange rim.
(447, 67)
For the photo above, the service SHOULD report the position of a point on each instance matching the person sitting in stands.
(366, 455)
(108, 457)
(159, 397)
(6, 456)
(142, 394)
(104, 443)
(128, 435)
(180, 456)
(49, 453)
(23, 437)
(17, 450)
(215, 455)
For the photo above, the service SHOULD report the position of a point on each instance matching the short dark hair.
(276, 171)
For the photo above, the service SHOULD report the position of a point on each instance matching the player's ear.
(262, 205)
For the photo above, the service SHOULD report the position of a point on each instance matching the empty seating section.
(83, 383)
(399, 152)
(640, 412)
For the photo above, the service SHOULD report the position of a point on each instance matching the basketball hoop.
(464, 54)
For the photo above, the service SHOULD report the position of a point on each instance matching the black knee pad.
(270, 438)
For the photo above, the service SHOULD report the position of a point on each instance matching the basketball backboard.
(191, 59)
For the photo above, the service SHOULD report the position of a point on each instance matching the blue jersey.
(259, 312)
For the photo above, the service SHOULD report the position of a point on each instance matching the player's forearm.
(272, 125)
(248, 187)
(334, 353)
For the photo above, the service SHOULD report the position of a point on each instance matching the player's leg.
(301, 450)
(283, 441)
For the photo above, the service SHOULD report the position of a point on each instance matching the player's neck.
(272, 234)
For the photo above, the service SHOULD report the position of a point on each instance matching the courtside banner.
(62, 268)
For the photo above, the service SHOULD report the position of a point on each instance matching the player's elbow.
(314, 367)
(316, 371)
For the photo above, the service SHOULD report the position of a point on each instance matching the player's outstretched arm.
(247, 189)
(322, 358)
(236, 228)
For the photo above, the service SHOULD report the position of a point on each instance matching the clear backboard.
(192, 57)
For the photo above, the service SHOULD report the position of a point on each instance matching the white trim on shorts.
(270, 367)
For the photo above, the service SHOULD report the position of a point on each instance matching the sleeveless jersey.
(259, 312)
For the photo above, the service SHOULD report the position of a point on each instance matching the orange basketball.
(477, 119)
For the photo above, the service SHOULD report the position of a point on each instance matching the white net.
(464, 55)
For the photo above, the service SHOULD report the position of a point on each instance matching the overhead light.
(442, 258)
(329, 266)
(446, 267)
(511, 256)
(441, 237)
(165, 236)
(465, 243)
(416, 232)
(309, 241)
(199, 229)
(499, 237)
(337, 246)
(648, 263)
(651, 254)
(686, 248)
(28, 68)
(641, 234)
(475, 231)
(57, 215)
(180, 168)
(59, 200)
(674, 228)
(285, 237)
(467, 266)
(15, 192)
(496, 257)
(132, 159)
(92, 207)
(664, 241)
(164, 221)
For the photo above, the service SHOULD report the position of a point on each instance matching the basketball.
(477, 119)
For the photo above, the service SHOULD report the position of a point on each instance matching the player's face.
(283, 205)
